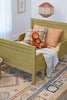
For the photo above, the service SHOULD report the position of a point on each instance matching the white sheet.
(51, 59)
(22, 42)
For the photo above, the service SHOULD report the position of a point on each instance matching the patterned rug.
(17, 85)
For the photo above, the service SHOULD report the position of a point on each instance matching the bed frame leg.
(33, 78)
(43, 74)
(43, 69)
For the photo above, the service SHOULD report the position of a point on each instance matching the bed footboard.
(20, 56)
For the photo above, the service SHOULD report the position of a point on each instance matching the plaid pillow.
(42, 33)
(28, 34)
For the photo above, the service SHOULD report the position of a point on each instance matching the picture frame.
(21, 6)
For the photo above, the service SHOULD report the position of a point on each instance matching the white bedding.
(51, 59)
(22, 42)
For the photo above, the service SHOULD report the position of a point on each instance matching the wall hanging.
(46, 9)
(21, 6)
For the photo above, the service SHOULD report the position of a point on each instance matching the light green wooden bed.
(23, 57)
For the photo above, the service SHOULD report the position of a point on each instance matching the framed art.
(21, 6)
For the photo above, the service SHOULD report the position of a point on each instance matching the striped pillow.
(28, 34)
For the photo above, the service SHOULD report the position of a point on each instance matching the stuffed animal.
(36, 41)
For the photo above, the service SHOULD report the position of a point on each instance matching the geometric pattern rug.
(17, 85)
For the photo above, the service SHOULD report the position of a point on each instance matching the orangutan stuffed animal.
(36, 41)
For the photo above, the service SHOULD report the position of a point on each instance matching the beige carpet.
(17, 85)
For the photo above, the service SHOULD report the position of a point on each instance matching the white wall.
(60, 10)
(20, 21)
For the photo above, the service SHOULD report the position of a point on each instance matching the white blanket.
(51, 59)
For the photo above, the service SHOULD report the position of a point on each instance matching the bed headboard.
(51, 24)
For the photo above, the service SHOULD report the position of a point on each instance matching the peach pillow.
(52, 36)
(38, 27)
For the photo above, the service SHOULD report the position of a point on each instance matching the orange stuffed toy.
(36, 41)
